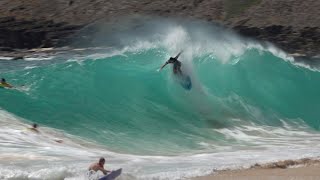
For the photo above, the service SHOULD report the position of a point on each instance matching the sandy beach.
(305, 169)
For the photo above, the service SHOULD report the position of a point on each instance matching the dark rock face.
(21, 34)
(302, 41)
(292, 25)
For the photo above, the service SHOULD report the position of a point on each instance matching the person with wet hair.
(176, 64)
(99, 166)
(5, 84)
(34, 128)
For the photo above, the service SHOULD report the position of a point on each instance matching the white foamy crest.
(27, 155)
(223, 45)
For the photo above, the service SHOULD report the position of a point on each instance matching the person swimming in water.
(5, 84)
(34, 128)
(176, 64)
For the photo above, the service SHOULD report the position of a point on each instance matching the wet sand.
(304, 169)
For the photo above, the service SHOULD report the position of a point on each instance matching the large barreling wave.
(248, 103)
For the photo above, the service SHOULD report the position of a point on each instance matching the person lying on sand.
(98, 166)
(5, 84)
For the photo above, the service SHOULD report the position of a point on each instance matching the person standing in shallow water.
(98, 166)
(176, 64)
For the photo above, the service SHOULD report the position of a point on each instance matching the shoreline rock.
(292, 26)
(304, 41)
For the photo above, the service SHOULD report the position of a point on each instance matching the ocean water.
(250, 103)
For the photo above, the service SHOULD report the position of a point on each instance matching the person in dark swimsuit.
(176, 64)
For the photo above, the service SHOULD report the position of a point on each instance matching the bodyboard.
(185, 82)
(112, 175)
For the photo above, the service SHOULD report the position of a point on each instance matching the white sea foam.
(40, 58)
(5, 58)
(28, 155)
(224, 46)
(30, 67)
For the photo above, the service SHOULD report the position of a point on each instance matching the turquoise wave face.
(122, 101)
(268, 83)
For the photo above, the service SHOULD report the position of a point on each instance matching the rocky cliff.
(292, 25)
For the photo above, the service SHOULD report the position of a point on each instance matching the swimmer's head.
(102, 161)
(34, 125)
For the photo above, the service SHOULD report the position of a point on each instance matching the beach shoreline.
(305, 168)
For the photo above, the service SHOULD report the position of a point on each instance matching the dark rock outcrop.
(292, 25)
(21, 34)
(302, 41)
